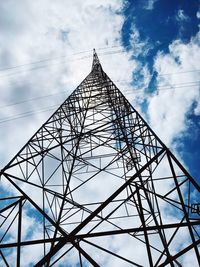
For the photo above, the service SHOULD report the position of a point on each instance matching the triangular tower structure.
(95, 186)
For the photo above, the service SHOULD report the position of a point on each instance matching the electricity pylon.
(95, 186)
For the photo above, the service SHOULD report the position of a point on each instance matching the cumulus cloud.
(178, 89)
(181, 16)
(138, 47)
(52, 34)
(141, 75)
(149, 5)
(35, 31)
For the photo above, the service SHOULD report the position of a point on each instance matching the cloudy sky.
(149, 48)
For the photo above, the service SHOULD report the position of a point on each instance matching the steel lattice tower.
(95, 186)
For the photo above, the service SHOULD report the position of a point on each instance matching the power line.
(61, 62)
(75, 59)
(165, 87)
(55, 58)
(21, 71)
(27, 114)
(172, 85)
(171, 88)
(29, 83)
(30, 113)
(174, 73)
(31, 99)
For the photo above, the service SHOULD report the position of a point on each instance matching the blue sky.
(149, 48)
(149, 32)
(166, 22)
(160, 25)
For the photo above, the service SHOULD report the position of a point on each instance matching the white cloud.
(181, 16)
(138, 47)
(150, 4)
(31, 31)
(168, 108)
(197, 108)
(51, 29)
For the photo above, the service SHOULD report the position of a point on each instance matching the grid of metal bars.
(99, 188)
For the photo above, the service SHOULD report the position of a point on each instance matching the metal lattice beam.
(93, 178)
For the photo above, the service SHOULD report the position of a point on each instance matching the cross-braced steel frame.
(95, 186)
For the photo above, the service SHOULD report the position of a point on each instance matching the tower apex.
(96, 61)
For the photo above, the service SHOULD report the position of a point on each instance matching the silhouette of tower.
(95, 186)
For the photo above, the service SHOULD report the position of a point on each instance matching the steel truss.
(96, 186)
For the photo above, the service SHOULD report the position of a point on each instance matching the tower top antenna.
(96, 63)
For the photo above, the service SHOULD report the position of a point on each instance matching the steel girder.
(96, 186)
